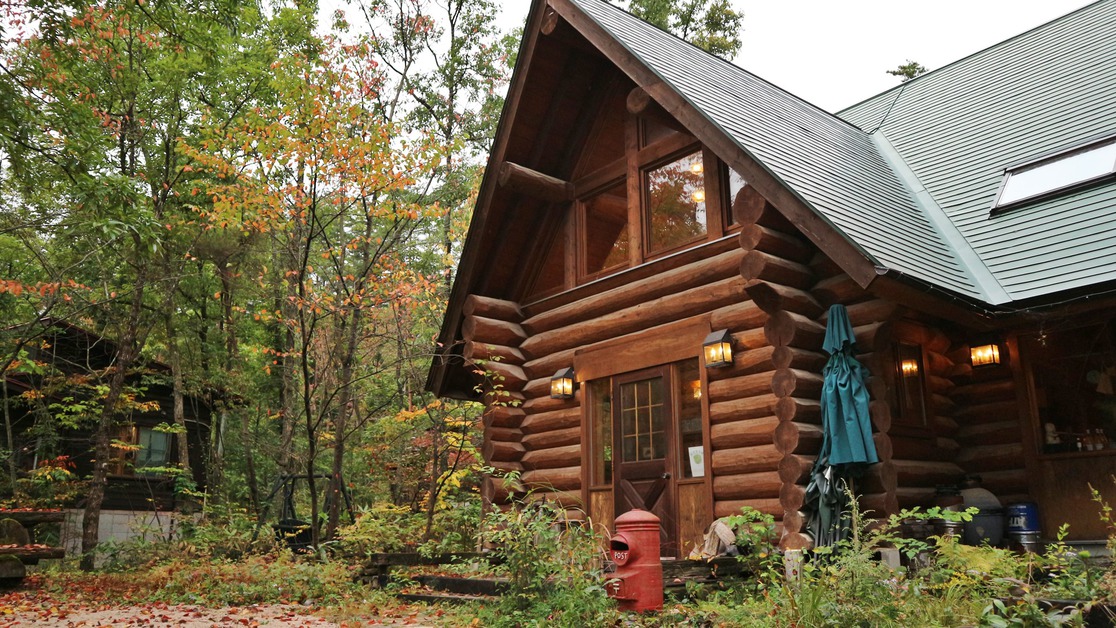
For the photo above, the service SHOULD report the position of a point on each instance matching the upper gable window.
(1057, 173)
(675, 203)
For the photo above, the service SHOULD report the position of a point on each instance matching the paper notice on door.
(697, 461)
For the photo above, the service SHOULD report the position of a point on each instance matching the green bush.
(253, 580)
(555, 567)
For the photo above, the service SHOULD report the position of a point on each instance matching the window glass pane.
(735, 184)
(605, 236)
(1058, 173)
(154, 448)
(689, 419)
(600, 417)
(676, 203)
(641, 422)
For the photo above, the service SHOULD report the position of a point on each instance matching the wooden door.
(643, 451)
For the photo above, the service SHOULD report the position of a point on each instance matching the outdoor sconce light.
(562, 384)
(718, 349)
(985, 355)
(909, 368)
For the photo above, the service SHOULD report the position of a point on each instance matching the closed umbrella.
(847, 446)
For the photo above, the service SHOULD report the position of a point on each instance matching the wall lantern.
(984, 355)
(718, 349)
(562, 384)
(909, 368)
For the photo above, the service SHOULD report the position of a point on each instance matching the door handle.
(666, 476)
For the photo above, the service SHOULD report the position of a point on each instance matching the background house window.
(676, 203)
(154, 448)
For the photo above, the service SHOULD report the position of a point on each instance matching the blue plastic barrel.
(1023, 518)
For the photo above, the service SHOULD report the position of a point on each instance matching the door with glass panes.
(656, 416)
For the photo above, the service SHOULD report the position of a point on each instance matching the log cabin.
(73, 362)
(643, 196)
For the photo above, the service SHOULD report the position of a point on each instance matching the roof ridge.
(983, 279)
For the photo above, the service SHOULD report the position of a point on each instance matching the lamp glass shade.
(718, 349)
(562, 384)
(985, 354)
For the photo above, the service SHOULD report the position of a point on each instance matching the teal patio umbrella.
(847, 446)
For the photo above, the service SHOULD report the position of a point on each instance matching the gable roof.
(959, 127)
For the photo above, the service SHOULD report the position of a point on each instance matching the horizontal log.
(998, 433)
(543, 403)
(992, 457)
(749, 340)
(878, 505)
(1006, 482)
(707, 271)
(635, 318)
(880, 413)
(746, 459)
(765, 484)
(796, 383)
(492, 331)
(939, 404)
(730, 507)
(798, 409)
(505, 434)
(500, 451)
(960, 371)
(915, 497)
(751, 362)
(558, 419)
(794, 330)
(503, 375)
(740, 387)
(787, 246)
(516, 178)
(771, 298)
(546, 366)
(872, 336)
(792, 437)
(976, 413)
(795, 358)
(794, 539)
(838, 289)
(565, 479)
(502, 397)
(474, 351)
(31, 555)
(760, 266)
(553, 438)
(501, 490)
(538, 387)
(738, 316)
(795, 469)
(937, 364)
(743, 409)
(939, 385)
(564, 499)
(794, 523)
(31, 518)
(985, 392)
(499, 309)
(503, 416)
(945, 425)
(868, 312)
(910, 473)
(743, 433)
(879, 478)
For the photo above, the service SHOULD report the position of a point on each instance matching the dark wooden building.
(643, 195)
(73, 363)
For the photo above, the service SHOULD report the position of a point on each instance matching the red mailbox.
(638, 581)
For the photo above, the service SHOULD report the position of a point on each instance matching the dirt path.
(35, 608)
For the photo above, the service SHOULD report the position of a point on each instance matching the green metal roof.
(958, 128)
(915, 193)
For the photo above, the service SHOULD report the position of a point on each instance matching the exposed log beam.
(517, 178)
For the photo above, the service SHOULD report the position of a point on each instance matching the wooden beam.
(522, 179)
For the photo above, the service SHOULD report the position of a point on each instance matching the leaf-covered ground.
(113, 601)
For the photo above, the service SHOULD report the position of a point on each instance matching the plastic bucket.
(987, 526)
(1023, 518)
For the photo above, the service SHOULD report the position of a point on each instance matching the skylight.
(1058, 173)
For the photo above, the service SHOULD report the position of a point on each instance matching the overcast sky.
(835, 54)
